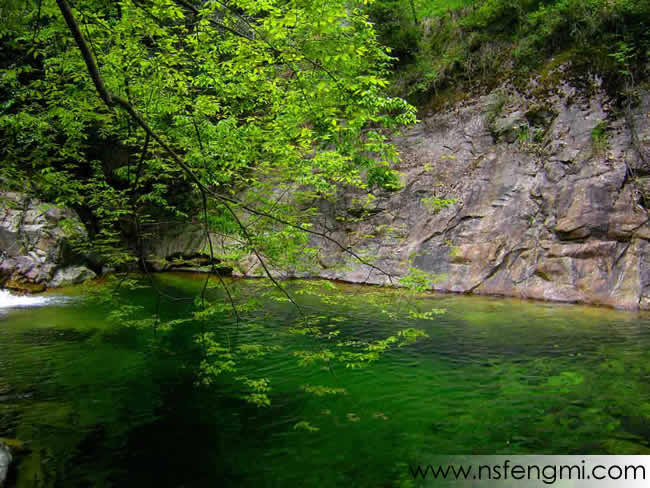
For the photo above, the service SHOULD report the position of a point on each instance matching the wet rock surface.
(550, 198)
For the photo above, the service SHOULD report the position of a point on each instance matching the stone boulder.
(71, 275)
(35, 242)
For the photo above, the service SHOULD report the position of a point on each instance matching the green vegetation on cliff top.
(467, 44)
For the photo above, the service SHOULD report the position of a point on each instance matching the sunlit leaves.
(258, 390)
(429, 315)
(418, 280)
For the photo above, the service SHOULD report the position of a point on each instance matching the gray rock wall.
(34, 244)
(551, 188)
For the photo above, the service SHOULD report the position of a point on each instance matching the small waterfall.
(7, 300)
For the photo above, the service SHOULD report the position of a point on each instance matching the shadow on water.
(189, 441)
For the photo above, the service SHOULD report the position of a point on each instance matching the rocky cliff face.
(550, 188)
(34, 244)
(538, 193)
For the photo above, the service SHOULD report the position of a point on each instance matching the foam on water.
(7, 300)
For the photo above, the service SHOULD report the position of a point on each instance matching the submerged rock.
(5, 461)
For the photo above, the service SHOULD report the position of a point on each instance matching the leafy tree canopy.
(261, 99)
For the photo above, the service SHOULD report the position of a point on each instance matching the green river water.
(99, 404)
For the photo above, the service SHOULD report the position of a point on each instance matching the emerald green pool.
(102, 404)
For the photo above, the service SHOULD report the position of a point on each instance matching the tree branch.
(91, 64)
(111, 100)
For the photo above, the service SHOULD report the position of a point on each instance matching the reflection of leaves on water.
(45, 336)
(304, 425)
(564, 382)
(320, 390)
